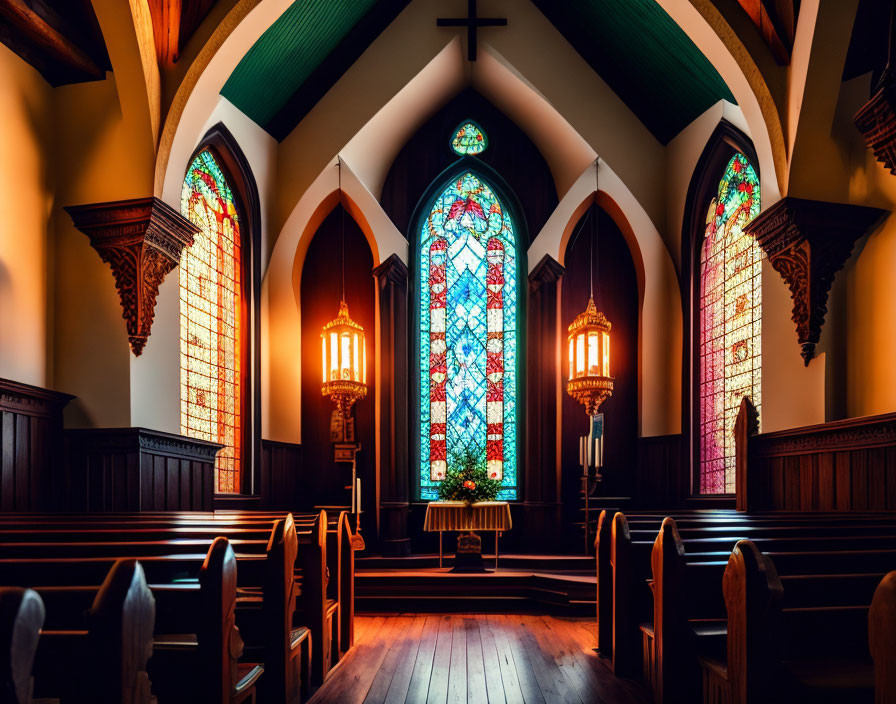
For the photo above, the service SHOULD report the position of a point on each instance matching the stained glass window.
(468, 334)
(210, 319)
(730, 327)
(469, 139)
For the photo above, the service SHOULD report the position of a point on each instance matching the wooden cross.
(472, 23)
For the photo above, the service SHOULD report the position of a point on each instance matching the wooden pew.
(186, 567)
(248, 533)
(602, 545)
(780, 649)
(714, 536)
(21, 618)
(106, 664)
(216, 648)
(287, 655)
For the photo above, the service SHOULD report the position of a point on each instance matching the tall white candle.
(358, 495)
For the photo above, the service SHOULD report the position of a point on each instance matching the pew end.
(21, 618)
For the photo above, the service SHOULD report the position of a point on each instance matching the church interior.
(429, 351)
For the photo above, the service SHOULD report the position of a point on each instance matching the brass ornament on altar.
(343, 361)
(590, 382)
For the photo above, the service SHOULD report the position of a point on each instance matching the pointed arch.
(219, 319)
(717, 262)
(468, 291)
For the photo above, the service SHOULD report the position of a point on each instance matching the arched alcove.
(323, 481)
(725, 142)
(616, 295)
(510, 153)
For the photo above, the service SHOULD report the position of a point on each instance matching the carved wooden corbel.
(142, 240)
(807, 242)
(877, 123)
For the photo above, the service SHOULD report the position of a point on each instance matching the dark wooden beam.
(63, 44)
(776, 22)
(173, 23)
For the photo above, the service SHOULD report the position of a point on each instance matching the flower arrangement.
(467, 479)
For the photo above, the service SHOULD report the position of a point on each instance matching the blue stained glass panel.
(468, 334)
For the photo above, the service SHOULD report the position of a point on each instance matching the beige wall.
(26, 195)
(861, 330)
(95, 163)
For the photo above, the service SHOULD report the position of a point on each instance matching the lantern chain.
(342, 208)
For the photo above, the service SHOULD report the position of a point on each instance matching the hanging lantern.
(343, 361)
(590, 382)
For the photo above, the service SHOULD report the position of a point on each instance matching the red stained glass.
(730, 307)
(211, 319)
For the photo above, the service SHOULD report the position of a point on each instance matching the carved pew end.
(21, 618)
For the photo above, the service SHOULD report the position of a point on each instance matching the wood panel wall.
(280, 479)
(847, 465)
(30, 439)
(662, 478)
(135, 469)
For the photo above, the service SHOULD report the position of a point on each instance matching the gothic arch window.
(728, 316)
(468, 288)
(214, 333)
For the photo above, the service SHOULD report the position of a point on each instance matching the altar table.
(490, 516)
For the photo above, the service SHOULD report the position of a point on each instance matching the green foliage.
(467, 479)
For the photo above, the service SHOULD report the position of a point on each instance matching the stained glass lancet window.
(730, 321)
(469, 140)
(210, 319)
(468, 333)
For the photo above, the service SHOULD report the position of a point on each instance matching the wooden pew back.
(279, 604)
(669, 605)
(21, 618)
(120, 626)
(602, 545)
(220, 644)
(753, 595)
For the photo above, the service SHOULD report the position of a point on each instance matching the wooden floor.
(476, 658)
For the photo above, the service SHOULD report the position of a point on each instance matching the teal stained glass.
(468, 334)
(469, 139)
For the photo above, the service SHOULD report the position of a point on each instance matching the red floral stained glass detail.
(438, 360)
(211, 319)
(729, 317)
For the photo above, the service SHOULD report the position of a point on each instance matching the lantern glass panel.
(323, 359)
(606, 351)
(572, 358)
(593, 356)
(334, 356)
(580, 354)
(356, 374)
(364, 363)
(345, 358)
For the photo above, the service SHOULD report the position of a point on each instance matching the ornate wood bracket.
(877, 123)
(807, 242)
(142, 241)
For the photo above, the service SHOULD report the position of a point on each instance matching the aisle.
(494, 658)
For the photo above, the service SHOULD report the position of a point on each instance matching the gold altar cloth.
(456, 515)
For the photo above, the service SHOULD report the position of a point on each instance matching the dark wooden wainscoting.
(30, 444)
(847, 465)
(135, 469)
(662, 477)
(280, 475)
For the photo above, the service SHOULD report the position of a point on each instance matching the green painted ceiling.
(301, 55)
(644, 56)
(640, 52)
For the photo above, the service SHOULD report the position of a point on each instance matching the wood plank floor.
(476, 658)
